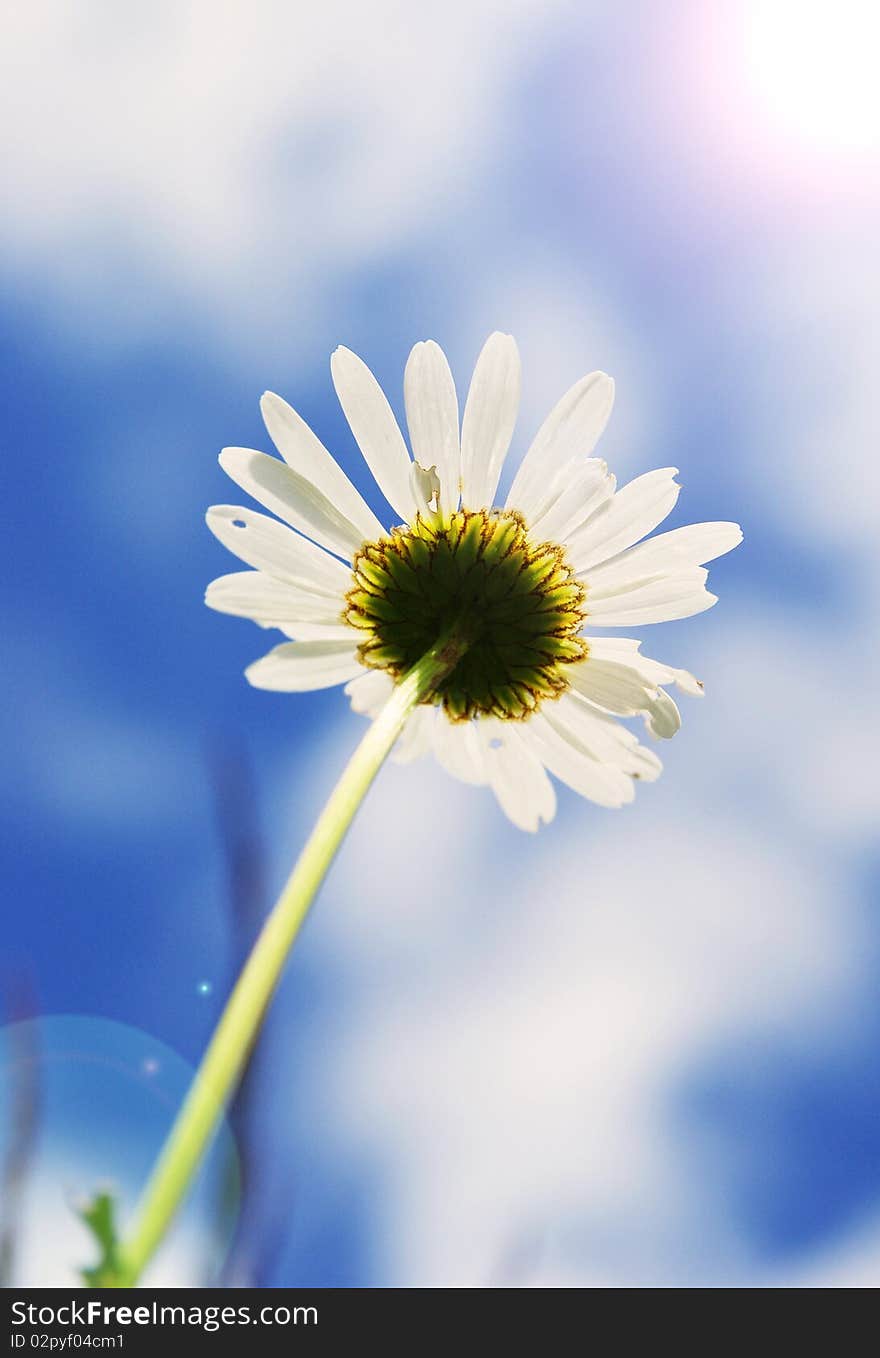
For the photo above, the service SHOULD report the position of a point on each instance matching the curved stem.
(229, 1048)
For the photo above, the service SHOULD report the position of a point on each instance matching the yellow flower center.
(478, 577)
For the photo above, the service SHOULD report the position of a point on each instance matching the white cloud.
(809, 314)
(850, 1261)
(242, 153)
(797, 734)
(518, 1015)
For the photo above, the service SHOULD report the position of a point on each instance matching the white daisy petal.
(416, 737)
(269, 546)
(668, 553)
(251, 594)
(601, 783)
(284, 492)
(601, 737)
(432, 417)
(663, 718)
(617, 688)
(661, 599)
(624, 651)
(377, 432)
(457, 747)
(305, 453)
(516, 776)
(370, 692)
(425, 486)
(299, 666)
(489, 417)
(571, 430)
(318, 631)
(634, 512)
(622, 690)
(583, 488)
(689, 683)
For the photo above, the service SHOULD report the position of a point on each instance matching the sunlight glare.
(814, 68)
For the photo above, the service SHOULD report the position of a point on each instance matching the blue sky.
(641, 1048)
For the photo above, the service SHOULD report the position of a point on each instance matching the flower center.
(475, 576)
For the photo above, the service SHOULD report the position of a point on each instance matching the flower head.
(518, 588)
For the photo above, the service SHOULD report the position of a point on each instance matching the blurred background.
(643, 1048)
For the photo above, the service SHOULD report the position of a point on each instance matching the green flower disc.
(478, 577)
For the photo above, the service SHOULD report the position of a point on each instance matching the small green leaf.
(99, 1216)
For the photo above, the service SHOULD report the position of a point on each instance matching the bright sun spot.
(815, 69)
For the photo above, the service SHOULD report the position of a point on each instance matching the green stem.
(227, 1054)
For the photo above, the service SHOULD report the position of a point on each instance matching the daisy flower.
(464, 628)
(521, 587)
